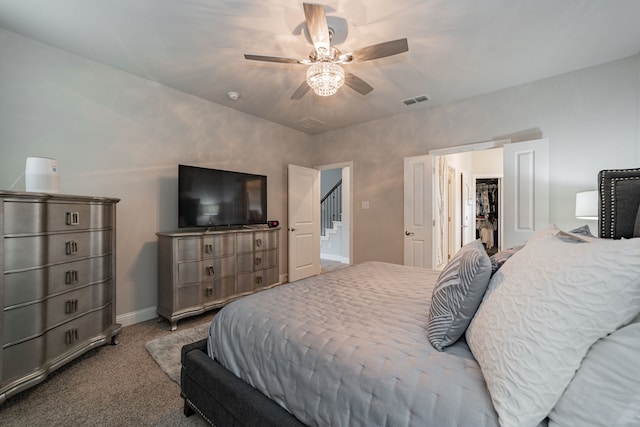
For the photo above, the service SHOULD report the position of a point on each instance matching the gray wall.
(590, 116)
(114, 134)
(118, 135)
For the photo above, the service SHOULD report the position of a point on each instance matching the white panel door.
(418, 211)
(525, 189)
(304, 222)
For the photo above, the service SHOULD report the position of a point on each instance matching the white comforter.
(350, 348)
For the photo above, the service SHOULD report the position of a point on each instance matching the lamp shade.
(587, 204)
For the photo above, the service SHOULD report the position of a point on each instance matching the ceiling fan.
(325, 73)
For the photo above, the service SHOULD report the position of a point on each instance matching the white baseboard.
(332, 257)
(134, 317)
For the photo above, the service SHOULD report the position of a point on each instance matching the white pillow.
(542, 311)
(606, 388)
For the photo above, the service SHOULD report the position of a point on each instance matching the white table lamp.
(587, 205)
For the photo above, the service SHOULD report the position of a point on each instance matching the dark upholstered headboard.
(619, 201)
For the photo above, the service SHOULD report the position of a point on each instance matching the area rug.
(166, 349)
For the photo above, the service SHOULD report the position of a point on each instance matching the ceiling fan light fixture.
(325, 78)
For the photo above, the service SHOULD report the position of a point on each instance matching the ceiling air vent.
(309, 124)
(411, 101)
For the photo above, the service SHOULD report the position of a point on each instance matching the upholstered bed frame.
(619, 191)
(222, 399)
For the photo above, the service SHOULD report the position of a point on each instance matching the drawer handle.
(71, 247)
(258, 261)
(71, 277)
(209, 292)
(208, 248)
(258, 280)
(73, 218)
(210, 270)
(258, 242)
(71, 336)
(71, 306)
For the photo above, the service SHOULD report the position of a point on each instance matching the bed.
(383, 344)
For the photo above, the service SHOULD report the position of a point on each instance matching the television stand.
(203, 270)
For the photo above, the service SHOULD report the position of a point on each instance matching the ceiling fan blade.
(317, 25)
(301, 91)
(272, 59)
(380, 50)
(357, 84)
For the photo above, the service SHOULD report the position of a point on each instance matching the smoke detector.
(234, 96)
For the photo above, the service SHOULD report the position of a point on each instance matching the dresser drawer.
(35, 251)
(76, 334)
(250, 262)
(21, 359)
(31, 285)
(257, 241)
(196, 271)
(40, 217)
(188, 296)
(196, 248)
(33, 319)
(214, 292)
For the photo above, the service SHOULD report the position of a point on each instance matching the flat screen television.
(220, 198)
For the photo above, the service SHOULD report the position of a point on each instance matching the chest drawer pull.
(71, 336)
(71, 277)
(258, 243)
(258, 261)
(258, 280)
(73, 218)
(210, 270)
(71, 247)
(71, 306)
(208, 248)
(209, 292)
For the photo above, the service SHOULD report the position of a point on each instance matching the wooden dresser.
(57, 283)
(200, 271)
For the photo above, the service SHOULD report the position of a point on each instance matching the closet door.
(418, 211)
(526, 190)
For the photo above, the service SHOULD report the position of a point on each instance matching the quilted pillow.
(457, 294)
(542, 311)
(606, 388)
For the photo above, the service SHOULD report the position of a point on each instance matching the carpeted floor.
(108, 386)
(166, 350)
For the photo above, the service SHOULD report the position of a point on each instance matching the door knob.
(409, 233)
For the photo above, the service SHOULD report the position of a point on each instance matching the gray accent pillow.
(501, 257)
(582, 231)
(457, 294)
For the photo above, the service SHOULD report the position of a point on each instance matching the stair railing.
(331, 207)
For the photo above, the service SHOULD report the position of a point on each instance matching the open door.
(304, 222)
(526, 190)
(418, 211)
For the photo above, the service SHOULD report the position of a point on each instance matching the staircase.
(331, 243)
(331, 239)
(331, 208)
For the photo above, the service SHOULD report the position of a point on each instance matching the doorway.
(335, 216)
(488, 195)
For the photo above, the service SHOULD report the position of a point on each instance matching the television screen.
(212, 197)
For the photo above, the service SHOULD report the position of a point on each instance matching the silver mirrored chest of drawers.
(200, 271)
(57, 283)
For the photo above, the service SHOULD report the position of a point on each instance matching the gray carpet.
(111, 385)
(166, 349)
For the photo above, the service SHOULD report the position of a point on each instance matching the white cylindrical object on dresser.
(41, 175)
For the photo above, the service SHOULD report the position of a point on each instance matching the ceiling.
(457, 48)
